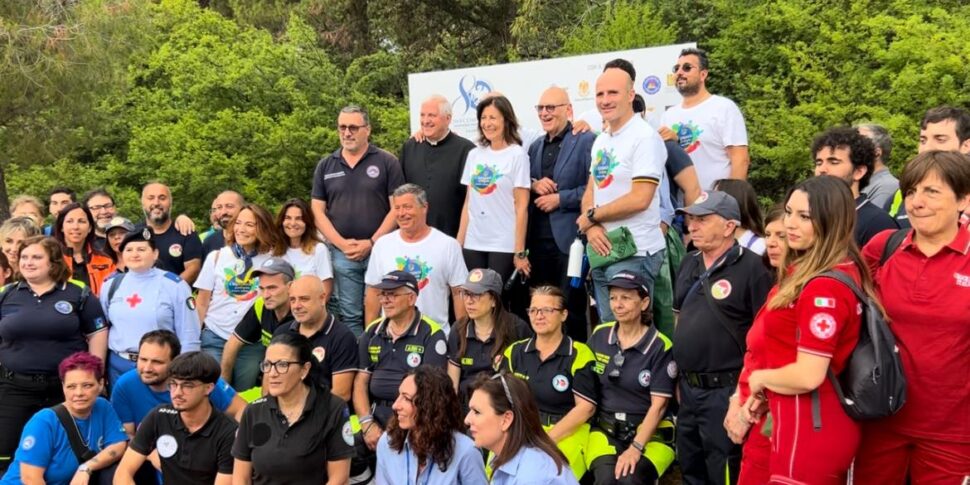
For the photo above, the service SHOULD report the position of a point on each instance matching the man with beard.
(847, 154)
(178, 253)
(103, 209)
(224, 207)
(194, 443)
(709, 127)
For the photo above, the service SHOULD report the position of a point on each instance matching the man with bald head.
(436, 163)
(177, 252)
(627, 165)
(224, 207)
(559, 164)
(334, 346)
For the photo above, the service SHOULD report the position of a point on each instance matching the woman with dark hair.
(114, 233)
(288, 436)
(631, 442)
(227, 287)
(13, 232)
(45, 454)
(807, 330)
(44, 318)
(74, 229)
(750, 233)
(503, 418)
(425, 436)
(775, 246)
(476, 342)
(493, 220)
(304, 250)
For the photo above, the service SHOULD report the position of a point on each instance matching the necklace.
(293, 415)
(78, 429)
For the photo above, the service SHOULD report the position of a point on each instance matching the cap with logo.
(144, 235)
(397, 279)
(630, 281)
(119, 222)
(275, 266)
(481, 280)
(714, 202)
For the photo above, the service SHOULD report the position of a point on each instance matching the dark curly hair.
(438, 417)
(862, 152)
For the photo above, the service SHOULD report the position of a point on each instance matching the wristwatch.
(591, 214)
(637, 446)
(522, 254)
(84, 468)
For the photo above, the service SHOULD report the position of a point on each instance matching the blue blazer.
(570, 173)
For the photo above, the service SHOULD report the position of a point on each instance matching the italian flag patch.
(824, 302)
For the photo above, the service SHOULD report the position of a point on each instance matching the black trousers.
(21, 398)
(549, 266)
(705, 452)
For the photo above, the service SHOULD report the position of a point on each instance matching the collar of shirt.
(633, 119)
(22, 285)
(339, 155)
(565, 346)
(311, 399)
(959, 244)
(642, 346)
(325, 329)
(470, 333)
(439, 140)
(561, 135)
(205, 430)
(412, 330)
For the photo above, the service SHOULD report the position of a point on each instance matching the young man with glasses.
(709, 127)
(193, 440)
(351, 204)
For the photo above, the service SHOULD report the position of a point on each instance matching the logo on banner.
(603, 168)
(471, 90)
(485, 178)
(416, 267)
(651, 85)
(584, 89)
(688, 135)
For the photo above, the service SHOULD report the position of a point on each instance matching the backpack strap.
(82, 452)
(115, 284)
(892, 244)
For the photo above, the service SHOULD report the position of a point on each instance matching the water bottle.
(575, 267)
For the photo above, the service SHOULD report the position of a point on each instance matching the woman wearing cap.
(476, 342)
(13, 232)
(304, 249)
(631, 441)
(425, 437)
(143, 299)
(560, 374)
(503, 419)
(74, 229)
(227, 288)
(493, 220)
(751, 232)
(114, 233)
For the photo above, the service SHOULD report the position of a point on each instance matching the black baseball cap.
(397, 279)
(630, 281)
(276, 266)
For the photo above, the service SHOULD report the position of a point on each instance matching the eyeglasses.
(545, 311)
(505, 385)
(472, 297)
(390, 295)
(96, 208)
(186, 386)
(618, 360)
(548, 107)
(281, 366)
(685, 66)
(352, 129)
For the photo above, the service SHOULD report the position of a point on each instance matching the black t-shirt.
(437, 169)
(478, 355)
(37, 332)
(187, 458)
(677, 161)
(870, 220)
(174, 249)
(215, 242)
(297, 454)
(357, 198)
(739, 286)
(334, 347)
(259, 324)
(648, 369)
(567, 372)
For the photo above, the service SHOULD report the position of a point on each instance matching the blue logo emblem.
(63, 307)
(471, 91)
(651, 85)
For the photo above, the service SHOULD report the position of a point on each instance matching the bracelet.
(637, 446)
(366, 419)
(368, 427)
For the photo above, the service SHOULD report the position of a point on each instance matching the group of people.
(422, 319)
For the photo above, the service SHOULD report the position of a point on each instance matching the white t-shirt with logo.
(492, 177)
(316, 264)
(705, 131)
(633, 154)
(234, 290)
(435, 261)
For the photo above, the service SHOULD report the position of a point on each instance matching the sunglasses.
(618, 360)
(685, 67)
(548, 107)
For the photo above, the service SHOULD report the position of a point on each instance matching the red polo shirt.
(927, 299)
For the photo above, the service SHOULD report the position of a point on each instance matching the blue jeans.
(647, 266)
(348, 280)
(245, 373)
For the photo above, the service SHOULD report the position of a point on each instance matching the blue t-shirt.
(133, 399)
(44, 443)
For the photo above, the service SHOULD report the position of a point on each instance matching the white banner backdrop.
(523, 83)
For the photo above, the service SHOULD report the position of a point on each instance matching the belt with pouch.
(549, 419)
(129, 356)
(621, 426)
(10, 375)
(710, 380)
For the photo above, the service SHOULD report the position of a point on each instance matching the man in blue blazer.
(559, 169)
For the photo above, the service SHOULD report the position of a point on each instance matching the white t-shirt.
(635, 152)
(316, 264)
(233, 289)
(493, 177)
(705, 131)
(752, 241)
(435, 261)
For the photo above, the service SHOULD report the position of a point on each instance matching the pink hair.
(81, 361)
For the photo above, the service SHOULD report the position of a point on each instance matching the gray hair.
(353, 108)
(881, 138)
(414, 189)
(444, 106)
(23, 223)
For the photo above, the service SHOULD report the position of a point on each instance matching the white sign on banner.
(523, 82)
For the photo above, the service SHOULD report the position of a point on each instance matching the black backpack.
(872, 385)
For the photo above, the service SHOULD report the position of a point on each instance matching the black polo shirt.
(567, 372)
(478, 358)
(187, 457)
(334, 348)
(648, 370)
(357, 198)
(174, 249)
(388, 360)
(437, 168)
(37, 332)
(259, 324)
(539, 226)
(739, 286)
(870, 220)
(296, 454)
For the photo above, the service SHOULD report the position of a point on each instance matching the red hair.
(81, 361)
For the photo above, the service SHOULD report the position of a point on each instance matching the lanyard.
(417, 480)
(707, 274)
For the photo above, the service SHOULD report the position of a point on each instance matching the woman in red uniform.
(811, 325)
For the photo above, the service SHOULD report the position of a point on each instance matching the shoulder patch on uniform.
(172, 276)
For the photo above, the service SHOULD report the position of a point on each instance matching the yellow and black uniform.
(477, 358)
(566, 373)
(257, 327)
(627, 381)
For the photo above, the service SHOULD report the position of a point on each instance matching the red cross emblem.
(133, 300)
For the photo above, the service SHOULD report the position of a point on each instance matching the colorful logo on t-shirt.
(603, 168)
(485, 179)
(242, 287)
(688, 135)
(419, 269)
